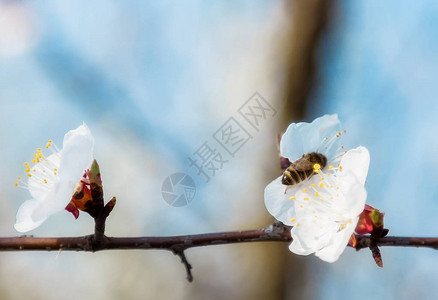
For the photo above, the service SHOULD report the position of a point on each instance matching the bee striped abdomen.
(302, 168)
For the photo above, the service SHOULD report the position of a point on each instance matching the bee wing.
(303, 165)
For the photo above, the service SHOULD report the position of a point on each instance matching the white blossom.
(52, 179)
(323, 136)
(327, 209)
(323, 209)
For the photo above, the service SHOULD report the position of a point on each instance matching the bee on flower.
(321, 198)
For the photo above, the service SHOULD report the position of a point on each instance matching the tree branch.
(276, 232)
(365, 241)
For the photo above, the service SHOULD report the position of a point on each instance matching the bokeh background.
(154, 81)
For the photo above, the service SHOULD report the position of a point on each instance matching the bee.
(303, 168)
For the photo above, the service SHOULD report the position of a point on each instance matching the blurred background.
(154, 81)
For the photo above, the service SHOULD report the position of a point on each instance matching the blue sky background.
(154, 80)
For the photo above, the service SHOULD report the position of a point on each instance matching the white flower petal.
(278, 203)
(354, 196)
(302, 138)
(357, 161)
(76, 153)
(49, 204)
(76, 157)
(331, 252)
(24, 221)
(310, 234)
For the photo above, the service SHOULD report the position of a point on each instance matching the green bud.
(94, 174)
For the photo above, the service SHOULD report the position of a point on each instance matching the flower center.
(321, 197)
(43, 172)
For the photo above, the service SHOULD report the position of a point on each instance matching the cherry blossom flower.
(324, 208)
(323, 136)
(52, 179)
(328, 209)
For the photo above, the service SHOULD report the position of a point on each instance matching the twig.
(180, 253)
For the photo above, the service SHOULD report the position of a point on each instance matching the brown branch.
(276, 232)
(364, 241)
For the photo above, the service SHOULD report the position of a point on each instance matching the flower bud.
(370, 220)
(94, 174)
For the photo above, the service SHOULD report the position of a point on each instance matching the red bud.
(371, 219)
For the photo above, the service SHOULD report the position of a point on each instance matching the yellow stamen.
(305, 189)
(316, 194)
(16, 184)
(45, 181)
(306, 198)
(321, 184)
(293, 219)
(317, 168)
(330, 167)
(293, 198)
